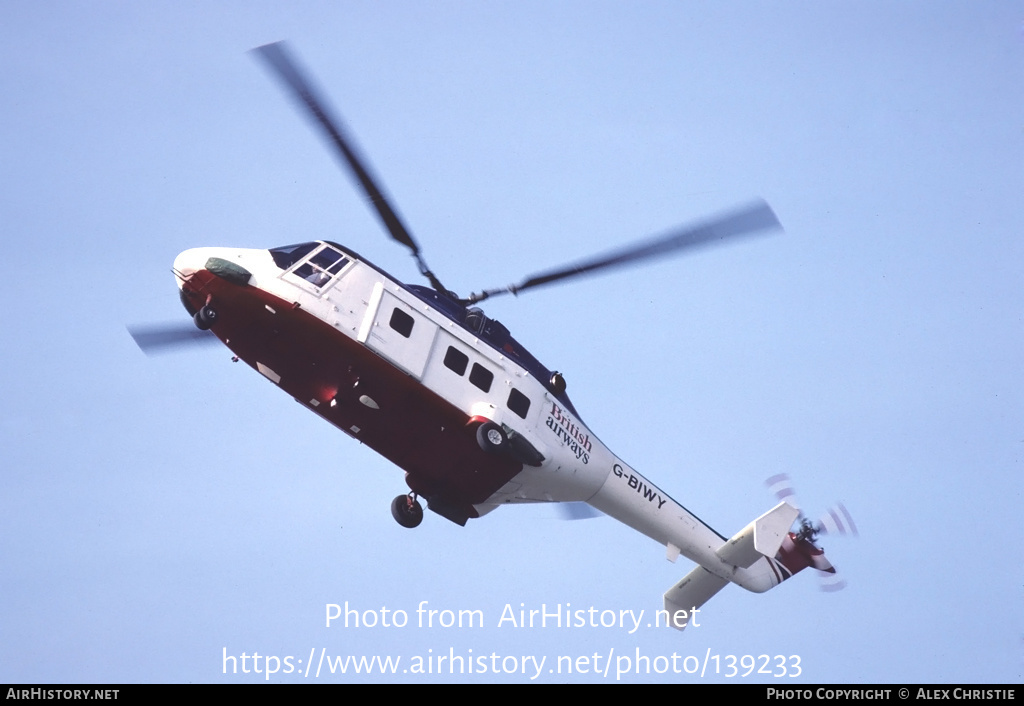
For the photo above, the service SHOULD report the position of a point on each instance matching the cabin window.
(481, 377)
(455, 360)
(518, 402)
(401, 322)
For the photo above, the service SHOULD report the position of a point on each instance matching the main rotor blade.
(278, 59)
(746, 221)
(160, 339)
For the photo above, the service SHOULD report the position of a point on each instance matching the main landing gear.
(491, 438)
(407, 511)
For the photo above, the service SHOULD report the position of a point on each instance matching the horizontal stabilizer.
(696, 589)
(762, 537)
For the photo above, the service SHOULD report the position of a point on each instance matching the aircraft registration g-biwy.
(427, 380)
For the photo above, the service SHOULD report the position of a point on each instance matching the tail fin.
(761, 538)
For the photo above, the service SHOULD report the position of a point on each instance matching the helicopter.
(426, 379)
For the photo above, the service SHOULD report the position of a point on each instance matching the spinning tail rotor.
(802, 550)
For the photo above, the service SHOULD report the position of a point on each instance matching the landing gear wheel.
(205, 318)
(407, 511)
(492, 438)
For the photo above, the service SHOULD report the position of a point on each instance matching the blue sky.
(157, 513)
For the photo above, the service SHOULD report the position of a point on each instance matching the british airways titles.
(568, 432)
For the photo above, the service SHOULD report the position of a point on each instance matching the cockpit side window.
(318, 269)
(329, 260)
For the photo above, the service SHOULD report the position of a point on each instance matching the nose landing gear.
(407, 510)
(205, 318)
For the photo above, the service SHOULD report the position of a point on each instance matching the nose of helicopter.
(189, 262)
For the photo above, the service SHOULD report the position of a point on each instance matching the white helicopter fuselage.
(393, 357)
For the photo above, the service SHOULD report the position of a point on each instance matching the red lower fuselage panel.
(411, 426)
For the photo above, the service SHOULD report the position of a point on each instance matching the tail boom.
(759, 557)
